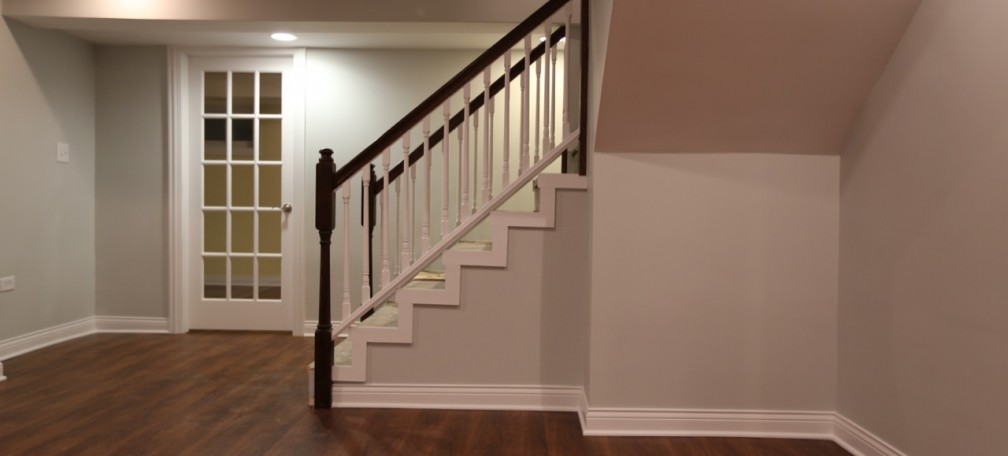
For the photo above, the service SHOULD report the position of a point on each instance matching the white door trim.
(178, 178)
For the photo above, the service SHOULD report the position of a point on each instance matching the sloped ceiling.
(776, 76)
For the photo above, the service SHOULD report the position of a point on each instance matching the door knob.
(286, 208)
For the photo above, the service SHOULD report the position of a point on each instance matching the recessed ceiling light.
(283, 36)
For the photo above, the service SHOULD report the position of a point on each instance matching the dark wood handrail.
(455, 84)
(477, 102)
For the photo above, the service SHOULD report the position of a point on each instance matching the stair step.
(473, 246)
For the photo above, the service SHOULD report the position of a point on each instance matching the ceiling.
(775, 76)
(437, 24)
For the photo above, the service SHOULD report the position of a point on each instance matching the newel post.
(325, 221)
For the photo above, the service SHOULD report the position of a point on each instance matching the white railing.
(461, 185)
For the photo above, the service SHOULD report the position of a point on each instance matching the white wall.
(923, 320)
(47, 224)
(131, 182)
(714, 280)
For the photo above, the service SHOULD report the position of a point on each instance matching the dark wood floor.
(210, 393)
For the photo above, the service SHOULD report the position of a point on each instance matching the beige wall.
(713, 281)
(923, 320)
(47, 222)
(532, 335)
(131, 182)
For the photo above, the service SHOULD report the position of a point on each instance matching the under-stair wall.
(523, 325)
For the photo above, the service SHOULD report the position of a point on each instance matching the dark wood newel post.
(325, 221)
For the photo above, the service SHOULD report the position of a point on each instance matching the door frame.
(179, 166)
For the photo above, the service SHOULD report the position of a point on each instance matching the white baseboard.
(45, 337)
(459, 397)
(149, 325)
(859, 441)
(309, 328)
(704, 423)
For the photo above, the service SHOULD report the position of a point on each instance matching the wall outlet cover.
(7, 283)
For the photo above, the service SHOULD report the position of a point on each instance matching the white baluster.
(490, 148)
(475, 162)
(426, 163)
(547, 99)
(366, 267)
(445, 150)
(410, 189)
(346, 251)
(538, 96)
(523, 160)
(458, 202)
(567, 77)
(399, 227)
(465, 151)
(385, 272)
(506, 172)
(553, 99)
(486, 135)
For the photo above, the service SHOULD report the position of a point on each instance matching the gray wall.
(714, 281)
(46, 208)
(923, 321)
(531, 335)
(131, 182)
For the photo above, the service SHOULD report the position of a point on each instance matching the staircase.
(519, 159)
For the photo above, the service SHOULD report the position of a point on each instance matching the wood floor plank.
(226, 393)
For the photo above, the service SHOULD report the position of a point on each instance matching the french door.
(240, 153)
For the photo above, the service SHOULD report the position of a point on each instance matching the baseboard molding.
(703, 423)
(45, 337)
(146, 325)
(459, 397)
(859, 441)
(309, 328)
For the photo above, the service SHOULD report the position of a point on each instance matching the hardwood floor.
(216, 393)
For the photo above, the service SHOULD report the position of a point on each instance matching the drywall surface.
(714, 281)
(923, 325)
(131, 182)
(47, 222)
(530, 335)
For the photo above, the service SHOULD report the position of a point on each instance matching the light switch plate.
(62, 152)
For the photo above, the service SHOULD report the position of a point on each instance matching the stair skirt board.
(454, 260)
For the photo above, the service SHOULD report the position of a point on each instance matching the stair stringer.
(497, 257)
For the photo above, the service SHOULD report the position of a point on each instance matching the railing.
(467, 173)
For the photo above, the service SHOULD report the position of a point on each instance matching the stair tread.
(430, 275)
(472, 246)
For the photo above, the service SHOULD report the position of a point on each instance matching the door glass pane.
(269, 232)
(215, 278)
(269, 139)
(242, 133)
(243, 93)
(241, 278)
(270, 85)
(241, 231)
(215, 139)
(215, 185)
(215, 231)
(242, 180)
(269, 278)
(269, 186)
(215, 93)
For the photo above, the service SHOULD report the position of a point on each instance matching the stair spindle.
(458, 178)
(553, 99)
(407, 216)
(547, 95)
(465, 152)
(506, 171)
(475, 188)
(400, 232)
(538, 96)
(385, 273)
(490, 148)
(445, 150)
(523, 159)
(486, 135)
(426, 162)
(567, 77)
(346, 250)
(366, 266)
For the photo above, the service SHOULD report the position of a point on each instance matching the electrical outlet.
(62, 152)
(6, 283)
